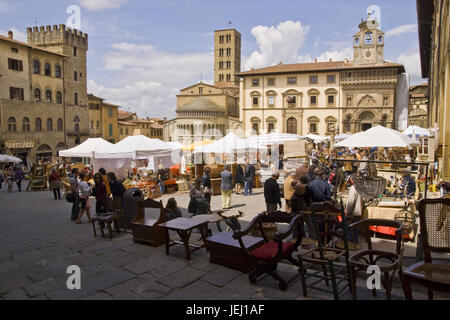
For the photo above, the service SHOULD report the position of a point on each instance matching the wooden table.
(211, 218)
(184, 227)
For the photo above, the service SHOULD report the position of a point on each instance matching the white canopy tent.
(271, 138)
(226, 145)
(86, 149)
(416, 131)
(316, 138)
(9, 159)
(341, 137)
(122, 156)
(378, 136)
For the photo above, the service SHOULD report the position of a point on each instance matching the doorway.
(366, 126)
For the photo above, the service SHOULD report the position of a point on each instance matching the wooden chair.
(108, 219)
(267, 256)
(362, 260)
(435, 233)
(146, 230)
(325, 259)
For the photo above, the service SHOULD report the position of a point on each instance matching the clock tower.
(368, 43)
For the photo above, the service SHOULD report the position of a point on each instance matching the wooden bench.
(226, 251)
(146, 230)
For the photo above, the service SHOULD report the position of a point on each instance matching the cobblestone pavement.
(38, 242)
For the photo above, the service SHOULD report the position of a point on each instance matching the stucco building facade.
(43, 94)
(324, 97)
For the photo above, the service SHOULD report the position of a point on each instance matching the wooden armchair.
(146, 230)
(267, 256)
(326, 262)
(435, 233)
(362, 260)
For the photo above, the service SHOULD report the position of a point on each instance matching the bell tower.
(368, 43)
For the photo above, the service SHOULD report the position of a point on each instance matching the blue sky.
(142, 52)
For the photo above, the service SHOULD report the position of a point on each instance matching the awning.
(19, 144)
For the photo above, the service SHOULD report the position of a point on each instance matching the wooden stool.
(108, 219)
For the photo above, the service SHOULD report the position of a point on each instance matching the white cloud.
(411, 61)
(96, 5)
(17, 34)
(336, 55)
(406, 28)
(147, 80)
(280, 43)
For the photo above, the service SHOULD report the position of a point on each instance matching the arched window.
(12, 124)
(36, 67)
(255, 121)
(47, 69)
(271, 123)
(38, 124)
(368, 37)
(77, 127)
(25, 124)
(75, 98)
(58, 71)
(75, 76)
(292, 125)
(59, 124)
(61, 146)
(49, 124)
(58, 97)
(37, 95)
(48, 96)
(356, 41)
(380, 39)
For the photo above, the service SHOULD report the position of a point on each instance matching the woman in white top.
(85, 191)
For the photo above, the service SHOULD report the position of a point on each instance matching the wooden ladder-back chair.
(435, 233)
(360, 261)
(325, 259)
(272, 252)
(146, 230)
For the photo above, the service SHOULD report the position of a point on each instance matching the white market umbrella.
(378, 136)
(86, 149)
(416, 131)
(6, 159)
(135, 147)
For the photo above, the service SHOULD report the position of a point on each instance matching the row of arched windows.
(48, 96)
(26, 127)
(47, 69)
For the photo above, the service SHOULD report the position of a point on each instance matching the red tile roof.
(317, 66)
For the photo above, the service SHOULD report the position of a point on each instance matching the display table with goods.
(148, 185)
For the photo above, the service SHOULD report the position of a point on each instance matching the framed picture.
(39, 171)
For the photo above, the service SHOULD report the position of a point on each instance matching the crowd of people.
(11, 174)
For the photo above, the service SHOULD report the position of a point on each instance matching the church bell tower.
(368, 43)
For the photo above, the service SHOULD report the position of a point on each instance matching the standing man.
(320, 191)
(289, 188)
(272, 193)
(303, 169)
(73, 181)
(249, 177)
(226, 187)
(18, 176)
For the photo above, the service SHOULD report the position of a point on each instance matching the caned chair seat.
(431, 271)
(386, 261)
(328, 254)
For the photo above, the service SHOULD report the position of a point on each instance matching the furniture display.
(211, 218)
(327, 262)
(267, 256)
(215, 185)
(388, 262)
(226, 251)
(147, 230)
(434, 217)
(184, 228)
